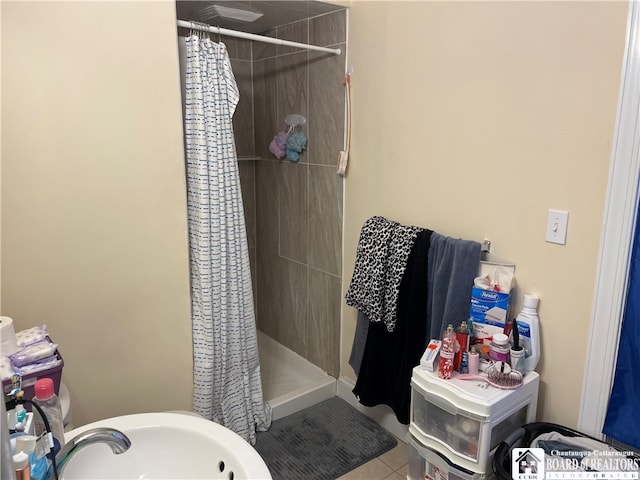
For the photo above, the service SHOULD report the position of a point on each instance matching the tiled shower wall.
(294, 210)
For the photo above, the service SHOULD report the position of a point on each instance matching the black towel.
(389, 357)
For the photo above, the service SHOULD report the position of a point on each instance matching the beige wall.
(94, 240)
(474, 119)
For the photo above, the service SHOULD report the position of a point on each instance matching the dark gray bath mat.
(322, 442)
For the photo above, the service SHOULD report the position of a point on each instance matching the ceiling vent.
(229, 13)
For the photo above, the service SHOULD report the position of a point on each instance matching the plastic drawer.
(425, 463)
(434, 417)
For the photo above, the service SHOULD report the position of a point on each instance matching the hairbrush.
(499, 375)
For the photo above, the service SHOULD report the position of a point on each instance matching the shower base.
(290, 383)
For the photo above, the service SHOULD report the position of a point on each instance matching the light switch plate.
(557, 221)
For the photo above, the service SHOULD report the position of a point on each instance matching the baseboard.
(381, 414)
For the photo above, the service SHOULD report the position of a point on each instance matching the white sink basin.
(167, 446)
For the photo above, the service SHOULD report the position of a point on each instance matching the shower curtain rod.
(251, 36)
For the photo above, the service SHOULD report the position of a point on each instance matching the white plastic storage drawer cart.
(465, 420)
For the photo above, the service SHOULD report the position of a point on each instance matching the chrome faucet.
(117, 440)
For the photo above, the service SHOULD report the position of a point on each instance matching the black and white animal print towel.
(381, 259)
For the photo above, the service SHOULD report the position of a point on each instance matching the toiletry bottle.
(21, 415)
(6, 464)
(12, 418)
(464, 363)
(462, 336)
(472, 335)
(529, 330)
(447, 352)
(474, 361)
(27, 444)
(46, 398)
(499, 348)
(21, 466)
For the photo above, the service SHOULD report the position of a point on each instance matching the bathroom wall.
(474, 119)
(94, 233)
(299, 205)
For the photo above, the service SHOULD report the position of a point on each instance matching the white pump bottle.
(529, 330)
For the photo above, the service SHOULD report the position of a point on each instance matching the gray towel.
(453, 265)
(359, 341)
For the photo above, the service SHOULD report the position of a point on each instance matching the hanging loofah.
(297, 141)
(293, 155)
(291, 142)
(278, 145)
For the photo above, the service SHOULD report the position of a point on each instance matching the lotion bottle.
(529, 330)
(21, 465)
(474, 361)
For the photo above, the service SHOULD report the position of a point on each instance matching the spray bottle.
(462, 336)
(448, 350)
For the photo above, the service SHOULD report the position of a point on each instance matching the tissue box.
(488, 313)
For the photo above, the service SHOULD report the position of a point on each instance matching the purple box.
(29, 381)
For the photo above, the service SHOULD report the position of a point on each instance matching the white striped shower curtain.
(227, 385)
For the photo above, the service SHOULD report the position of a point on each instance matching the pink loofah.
(278, 145)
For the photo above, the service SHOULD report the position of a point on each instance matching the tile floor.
(388, 466)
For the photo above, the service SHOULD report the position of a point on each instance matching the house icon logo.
(527, 464)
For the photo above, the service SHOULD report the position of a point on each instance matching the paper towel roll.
(8, 344)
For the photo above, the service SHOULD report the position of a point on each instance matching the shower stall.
(293, 211)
